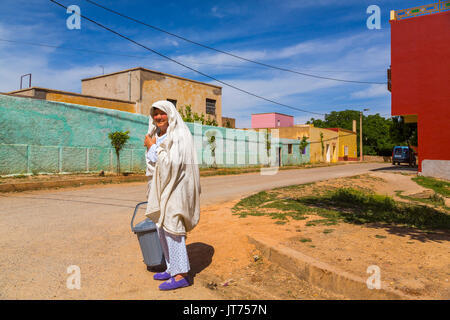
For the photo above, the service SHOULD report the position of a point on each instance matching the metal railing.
(421, 10)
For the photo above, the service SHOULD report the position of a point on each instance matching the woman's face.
(160, 118)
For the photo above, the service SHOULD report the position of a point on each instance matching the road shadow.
(439, 236)
(419, 222)
(200, 257)
(400, 168)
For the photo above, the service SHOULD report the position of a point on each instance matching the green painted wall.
(44, 136)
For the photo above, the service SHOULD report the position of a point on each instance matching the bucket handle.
(135, 210)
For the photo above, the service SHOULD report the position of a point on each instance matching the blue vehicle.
(402, 154)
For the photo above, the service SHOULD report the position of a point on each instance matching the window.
(290, 148)
(345, 150)
(173, 101)
(210, 106)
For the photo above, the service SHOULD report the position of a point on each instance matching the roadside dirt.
(224, 264)
(412, 261)
(233, 268)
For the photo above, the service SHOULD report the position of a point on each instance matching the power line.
(186, 66)
(227, 53)
(144, 57)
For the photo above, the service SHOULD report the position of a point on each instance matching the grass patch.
(326, 231)
(258, 205)
(305, 240)
(342, 205)
(255, 200)
(439, 186)
(20, 176)
(380, 237)
(434, 199)
(354, 206)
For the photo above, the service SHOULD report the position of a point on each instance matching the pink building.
(271, 120)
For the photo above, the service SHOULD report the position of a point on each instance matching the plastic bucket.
(148, 240)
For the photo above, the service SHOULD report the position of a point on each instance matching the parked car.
(402, 154)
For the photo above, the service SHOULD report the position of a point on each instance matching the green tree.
(188, 116)
(380, 135)
(118, 140)
(322, 145)
(211, 136)
(402, 132)
(337, 119)
(302, 146)
(268, 146)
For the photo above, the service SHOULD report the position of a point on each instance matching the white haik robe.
(174, 195)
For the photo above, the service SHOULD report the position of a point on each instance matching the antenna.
(21, 78)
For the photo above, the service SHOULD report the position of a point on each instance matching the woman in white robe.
(174, 189)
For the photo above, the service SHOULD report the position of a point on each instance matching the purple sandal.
(161, 276)
(172, 284)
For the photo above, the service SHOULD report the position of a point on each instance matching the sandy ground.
(412, 261)
(224, 264)
(234, 268)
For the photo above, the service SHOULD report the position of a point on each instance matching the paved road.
(42, 233)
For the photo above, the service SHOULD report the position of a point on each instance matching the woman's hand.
(148, 141)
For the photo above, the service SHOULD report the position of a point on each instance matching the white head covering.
(174, 196)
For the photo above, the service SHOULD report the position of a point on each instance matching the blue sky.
(323, 37)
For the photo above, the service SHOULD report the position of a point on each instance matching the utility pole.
(360, 136)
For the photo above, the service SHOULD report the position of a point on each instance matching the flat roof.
(283, 114)
(152, 71)
(68, 93)
(340, 129)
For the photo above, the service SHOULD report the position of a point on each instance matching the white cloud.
(348, 53)
(215, 12)
(376, 90)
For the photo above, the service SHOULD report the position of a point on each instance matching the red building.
(420, 80)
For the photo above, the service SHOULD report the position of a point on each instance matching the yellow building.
(323, 143)
(76, 98)
(348, 150)
(326, 144)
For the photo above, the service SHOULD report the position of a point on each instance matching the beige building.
(144, 86)
(76, 98)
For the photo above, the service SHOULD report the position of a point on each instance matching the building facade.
(419, 80)
(324, 143)
(144, 87)
(271, 120)
(76, 98)
(347, 150)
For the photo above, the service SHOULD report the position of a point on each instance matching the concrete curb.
(323, 275)
(26, 186)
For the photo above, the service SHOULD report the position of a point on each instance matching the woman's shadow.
(200, 256)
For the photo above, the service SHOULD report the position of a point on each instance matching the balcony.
(440, 6)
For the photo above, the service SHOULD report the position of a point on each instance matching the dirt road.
(42, 233)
